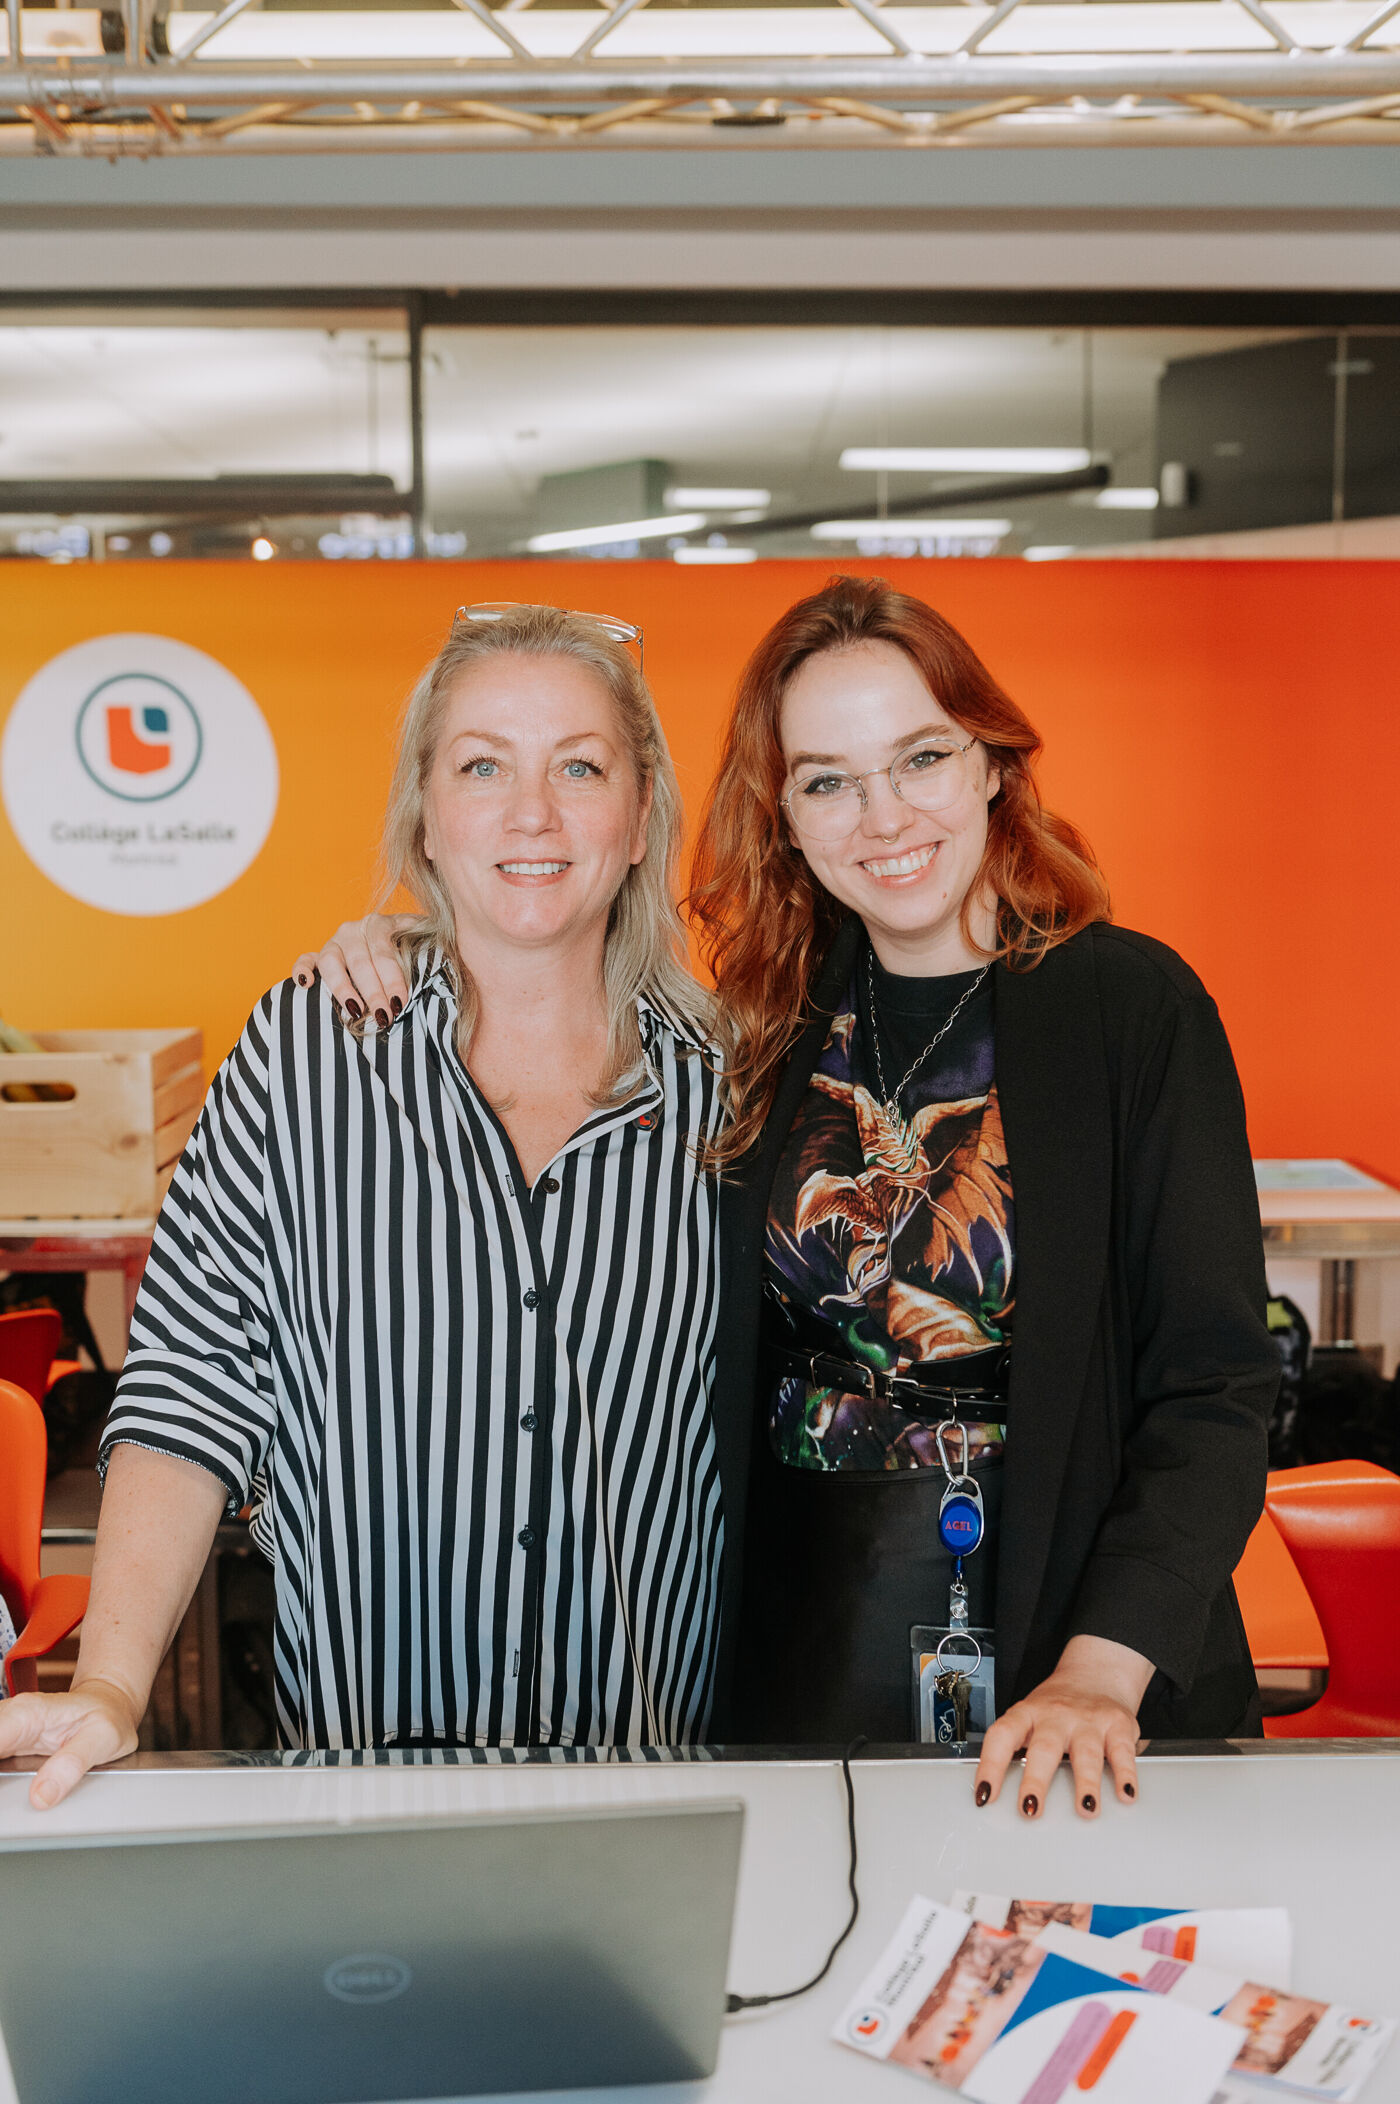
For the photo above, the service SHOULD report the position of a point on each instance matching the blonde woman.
(436, 1291)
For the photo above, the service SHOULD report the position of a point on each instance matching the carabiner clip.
(951, 1424)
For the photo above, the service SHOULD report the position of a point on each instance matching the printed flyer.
(1256, 1941)
(999, 2018)
(1291, 2044)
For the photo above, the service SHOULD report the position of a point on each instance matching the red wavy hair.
(763, 920)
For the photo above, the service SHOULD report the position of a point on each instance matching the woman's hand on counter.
(1086, 1711)
(159, 1517)
(360, 967)
(93, 1722)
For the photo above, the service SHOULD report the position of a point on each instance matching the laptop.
(389, 1959)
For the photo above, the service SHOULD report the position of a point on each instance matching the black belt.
(970, 1390)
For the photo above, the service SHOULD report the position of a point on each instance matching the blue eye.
(481, 770)
(580, 770)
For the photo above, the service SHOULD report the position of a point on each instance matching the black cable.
(733, 2003)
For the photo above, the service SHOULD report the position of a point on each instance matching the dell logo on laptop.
(372, 1978)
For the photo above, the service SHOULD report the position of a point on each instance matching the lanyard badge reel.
(953, 1664)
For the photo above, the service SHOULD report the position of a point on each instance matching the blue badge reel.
(953, 1664)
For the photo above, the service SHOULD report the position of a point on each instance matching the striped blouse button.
(526, 1537)
(551, 1184)
(529, 1421)
(646, 1121)
(530, 1297)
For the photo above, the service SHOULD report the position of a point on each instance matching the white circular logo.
(368, 1978)
(138, 774)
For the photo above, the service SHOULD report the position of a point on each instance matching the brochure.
(1290, 2045)
(1254, 1941)
(990, 2013)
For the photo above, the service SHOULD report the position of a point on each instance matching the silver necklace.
(890, 1099)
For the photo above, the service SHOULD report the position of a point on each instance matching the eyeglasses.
(827, 806)
(611, 624)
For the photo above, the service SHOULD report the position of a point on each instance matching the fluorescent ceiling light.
(1127, 500)
(1046, 553)
(627, 530)
(910, 529)
(715, 555)
(719, 499)
(967, 460)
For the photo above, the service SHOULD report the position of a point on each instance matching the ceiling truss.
(166, 92)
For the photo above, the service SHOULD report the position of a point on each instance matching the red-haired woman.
(985, 1173)
(983, 1145)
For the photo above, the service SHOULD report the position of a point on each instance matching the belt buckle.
(856, 1379)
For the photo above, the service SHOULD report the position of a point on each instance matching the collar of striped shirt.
(431, 965)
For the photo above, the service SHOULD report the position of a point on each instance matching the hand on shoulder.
(360, 967)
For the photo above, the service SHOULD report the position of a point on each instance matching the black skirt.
(848, 1563)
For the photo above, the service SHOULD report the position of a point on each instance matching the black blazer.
(1142, 1373)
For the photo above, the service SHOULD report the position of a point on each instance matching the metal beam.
(498, 29)
(487, 130)
(883, 25)
(208, 496)
(975, 40)
(900, 82)
(618, 13)
(211, 28)
(1267, 23)
(1373, 22)
(418, 497)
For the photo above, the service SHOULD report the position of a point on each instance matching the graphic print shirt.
(901, 1241)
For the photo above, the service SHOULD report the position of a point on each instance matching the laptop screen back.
(382, 1960)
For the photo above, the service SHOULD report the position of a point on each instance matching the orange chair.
(1279, 1618)
(28, 1340)
(44, 1610)
(1340, 1522)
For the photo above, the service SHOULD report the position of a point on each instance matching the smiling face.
(532, 812)
(906, 872)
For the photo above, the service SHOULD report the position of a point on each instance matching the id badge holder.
(953, 1671)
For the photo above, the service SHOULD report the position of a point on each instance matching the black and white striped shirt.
(473, 1417)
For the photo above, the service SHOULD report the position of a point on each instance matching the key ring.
(961, 1636)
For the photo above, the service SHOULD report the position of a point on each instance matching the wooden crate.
(107, 1152)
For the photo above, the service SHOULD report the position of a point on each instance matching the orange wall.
(1227, 735)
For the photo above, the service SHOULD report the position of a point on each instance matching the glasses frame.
(611, 624)
(859, 781)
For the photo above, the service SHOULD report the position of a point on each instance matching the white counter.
(1315, 1828)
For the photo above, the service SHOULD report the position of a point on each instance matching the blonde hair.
(644, 949)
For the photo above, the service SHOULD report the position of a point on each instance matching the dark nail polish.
(354, 1011)
(984, 1792)
(1091, 1804)
(381, 1019)
(301, 979)
(396, 1006)
(1130, 1789)
(1030, 1806)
